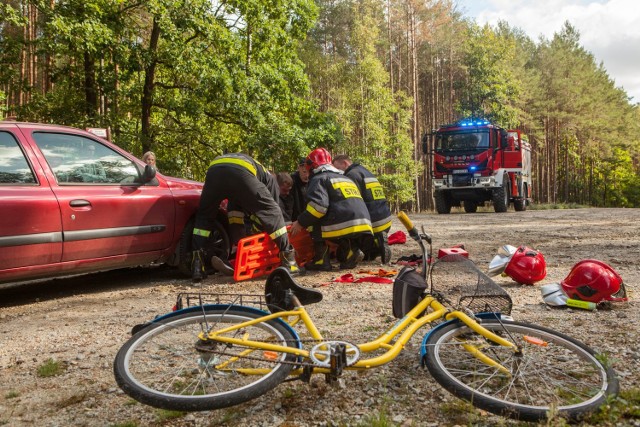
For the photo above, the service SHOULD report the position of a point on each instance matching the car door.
(31, 228)
(106, 211)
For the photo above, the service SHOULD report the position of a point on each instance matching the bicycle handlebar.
(413, 232)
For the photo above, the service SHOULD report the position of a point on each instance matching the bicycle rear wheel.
(166, 366)
(552, 374)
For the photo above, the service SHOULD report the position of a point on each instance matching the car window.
(75, 160)
(14, 168)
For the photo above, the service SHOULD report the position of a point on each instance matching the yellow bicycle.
(217, 351)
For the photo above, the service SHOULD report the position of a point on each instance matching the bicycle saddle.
(276, 287)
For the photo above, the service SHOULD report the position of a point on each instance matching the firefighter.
(336, 211)
(251, 190)
(373, 195)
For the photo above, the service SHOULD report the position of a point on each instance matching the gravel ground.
(82, 322)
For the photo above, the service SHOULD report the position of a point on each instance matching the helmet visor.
(498, 264)
(553, 295)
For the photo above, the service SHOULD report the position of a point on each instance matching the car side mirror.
(148, 174)
(425, 144)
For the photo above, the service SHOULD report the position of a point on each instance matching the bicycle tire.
(565, 377)
(161, 367)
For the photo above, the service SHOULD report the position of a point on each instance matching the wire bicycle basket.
(459, 281)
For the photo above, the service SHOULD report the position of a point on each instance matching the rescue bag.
(408, 290)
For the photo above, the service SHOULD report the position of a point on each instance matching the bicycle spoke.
(170, 367)
(551, 371)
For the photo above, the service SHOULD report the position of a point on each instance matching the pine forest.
(192, 79)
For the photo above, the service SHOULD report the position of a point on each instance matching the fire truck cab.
(475, 161)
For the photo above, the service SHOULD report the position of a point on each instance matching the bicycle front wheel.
(552, 373)
(165, 365)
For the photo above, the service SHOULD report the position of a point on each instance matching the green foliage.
(50, 368)
(620, 410)
(374, 121)
(192, 79)
(491, 88)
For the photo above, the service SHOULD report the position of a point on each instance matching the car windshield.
(462, 142)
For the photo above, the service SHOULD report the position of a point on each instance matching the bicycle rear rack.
(191, 299)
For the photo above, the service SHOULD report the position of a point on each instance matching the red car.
(72, 202)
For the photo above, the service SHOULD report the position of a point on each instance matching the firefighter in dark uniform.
(336, 212)
(251, 190)
(373, 196)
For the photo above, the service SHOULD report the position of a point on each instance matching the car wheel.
(217, 245)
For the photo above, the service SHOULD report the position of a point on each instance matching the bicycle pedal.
(338, 359)
(335, 355)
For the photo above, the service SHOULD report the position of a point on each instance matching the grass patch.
(376, 419)
(229, 417)
(125, 424)
(50, 368)
(621, 410)
(461, 412)
(131, 402)
(11, 394)
(72, 400)
(165, 414)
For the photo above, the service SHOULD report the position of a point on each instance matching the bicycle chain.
(283, 362)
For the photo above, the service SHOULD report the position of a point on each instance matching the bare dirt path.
(82, 322)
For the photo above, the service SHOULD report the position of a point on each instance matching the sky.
(609, 29)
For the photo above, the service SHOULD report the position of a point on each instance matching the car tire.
(218, 245)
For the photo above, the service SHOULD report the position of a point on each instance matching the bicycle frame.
(392, 341)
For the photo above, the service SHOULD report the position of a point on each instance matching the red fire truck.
(475, 161)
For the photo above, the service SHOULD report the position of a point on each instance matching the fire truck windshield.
(462, 142)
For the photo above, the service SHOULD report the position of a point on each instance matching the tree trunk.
(90, 93)
(148, 88)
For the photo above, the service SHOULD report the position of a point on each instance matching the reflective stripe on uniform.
(235, 217)
(235, 161)
(200, 232)
(279, 232)
(316, 210)
(361, 225)
(381, 225)
(362, 228)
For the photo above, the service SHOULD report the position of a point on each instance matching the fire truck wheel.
(443, 204)
(520, 205)
(470, 206)
(501, 197)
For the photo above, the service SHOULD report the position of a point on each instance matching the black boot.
(321, 260)
(288, 260)
(352, 254)
(385, 250)
(198, 271)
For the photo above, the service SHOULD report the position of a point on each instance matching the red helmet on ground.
(316, 158)
(527, 266)
(593, 280)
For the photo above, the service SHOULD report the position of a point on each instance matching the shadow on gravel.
(140, 277)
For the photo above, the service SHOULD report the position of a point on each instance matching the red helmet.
(316, 158)
(527, 266)
(593, 280)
